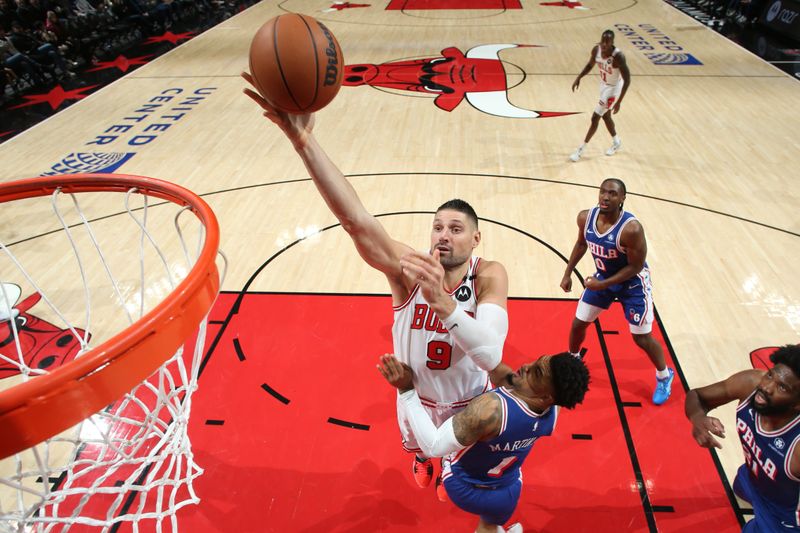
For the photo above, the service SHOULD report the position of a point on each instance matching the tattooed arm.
(481, 420)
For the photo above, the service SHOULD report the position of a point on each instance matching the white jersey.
(443, 375)
(608, 74)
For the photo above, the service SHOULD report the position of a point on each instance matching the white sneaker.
(615, 146)
(515, 528)
(576, 155)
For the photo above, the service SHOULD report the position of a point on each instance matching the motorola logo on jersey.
(656, 46)
(463, 293)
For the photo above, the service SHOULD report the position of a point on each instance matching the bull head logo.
(479, 77)
(42, 345)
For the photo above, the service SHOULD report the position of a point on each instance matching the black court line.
(238, 347)
(278, 396)
(610, 332)
(345, 423)
(411, 173)
(738, 511)
(631, 404)
(581, 436)
(663, 509)
(626, 430)
(211, 422)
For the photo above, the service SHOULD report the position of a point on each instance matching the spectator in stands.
(39, 51)
(18, 62)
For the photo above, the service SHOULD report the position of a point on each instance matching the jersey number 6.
(439, 353)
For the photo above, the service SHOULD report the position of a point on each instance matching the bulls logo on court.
(463, 293)
(42, 344)
(759, 357)
(477, 76)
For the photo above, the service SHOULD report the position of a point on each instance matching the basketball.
(296, 63)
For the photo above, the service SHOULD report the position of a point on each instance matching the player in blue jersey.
(485, 444)
(768, 425)
(619, 249)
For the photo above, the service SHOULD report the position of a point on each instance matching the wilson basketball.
(296, 63)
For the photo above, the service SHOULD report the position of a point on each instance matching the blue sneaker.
(663, 388)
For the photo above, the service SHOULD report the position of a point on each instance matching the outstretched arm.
(577, 253)
(586, 69)
(374, 245)
(702, 400)
(480, 420)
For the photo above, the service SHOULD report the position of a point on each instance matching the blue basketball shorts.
(763, 520)
(494, 506)
(635, 295)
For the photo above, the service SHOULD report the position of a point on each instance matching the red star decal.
(121, 62)
(55, 97)
(170, 37)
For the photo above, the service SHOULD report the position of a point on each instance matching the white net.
(101, 263)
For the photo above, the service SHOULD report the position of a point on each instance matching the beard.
(452, 261)
(768, 409)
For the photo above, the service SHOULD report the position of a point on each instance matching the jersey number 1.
(502, 466)
(439, 353)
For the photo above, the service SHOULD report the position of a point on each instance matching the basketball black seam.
(316, 63)
(280, 68)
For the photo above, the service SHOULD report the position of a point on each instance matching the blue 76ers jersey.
(768, 455)
(497, 462)
(609, 257)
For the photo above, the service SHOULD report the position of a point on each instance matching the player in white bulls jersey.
(768, 425)
(450, 307)
(615, 79)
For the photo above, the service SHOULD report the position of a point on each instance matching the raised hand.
(296, 127)
(426, 270)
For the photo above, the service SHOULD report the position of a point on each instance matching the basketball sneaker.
(615, 147)
(663, 388)
(514, 528)
(441, 492)
(423, 471)
(576, 155)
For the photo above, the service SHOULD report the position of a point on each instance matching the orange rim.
(47, 405)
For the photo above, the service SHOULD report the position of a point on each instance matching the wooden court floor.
(710, 151)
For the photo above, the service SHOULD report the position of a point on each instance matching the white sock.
(575, 354)
(582, 146)
(615, 138)
(661, 374)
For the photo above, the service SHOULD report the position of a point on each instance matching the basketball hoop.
(88, 441)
